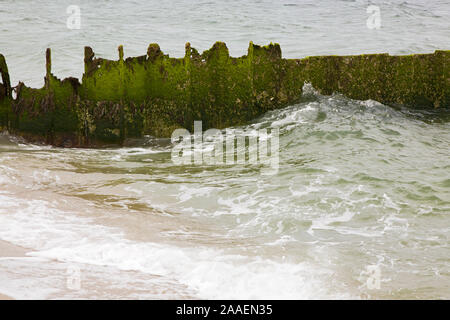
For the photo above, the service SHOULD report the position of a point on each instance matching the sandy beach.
(4, 297)
(28, 271)
(10, 250)
(217, 150)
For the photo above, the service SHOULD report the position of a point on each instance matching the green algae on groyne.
(154, 94)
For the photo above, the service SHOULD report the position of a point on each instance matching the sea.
(359, 207)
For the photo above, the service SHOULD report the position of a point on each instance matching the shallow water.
(361, 186)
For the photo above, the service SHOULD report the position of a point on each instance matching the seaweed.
(154, 94)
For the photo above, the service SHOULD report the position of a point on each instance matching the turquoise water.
(359, 207)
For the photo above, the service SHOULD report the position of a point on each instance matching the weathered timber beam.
(154, 93)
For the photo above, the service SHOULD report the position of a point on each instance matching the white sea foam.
(359, 182)
(208, 272)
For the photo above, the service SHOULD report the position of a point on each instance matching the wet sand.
(10, 250)
(119, 284)
(5, 297)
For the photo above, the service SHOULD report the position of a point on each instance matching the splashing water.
(361, 186)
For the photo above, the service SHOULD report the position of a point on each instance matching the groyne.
(154, 94)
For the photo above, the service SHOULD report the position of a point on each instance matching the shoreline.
(8, 250)
(5, 297)
(120, 284)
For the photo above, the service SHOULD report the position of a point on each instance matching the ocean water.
(359, 207)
